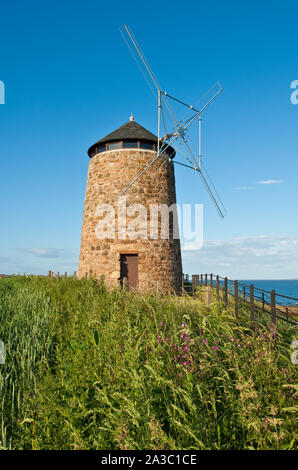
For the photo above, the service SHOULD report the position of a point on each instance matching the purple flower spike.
(215, 347)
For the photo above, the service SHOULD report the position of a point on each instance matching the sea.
(287, 288)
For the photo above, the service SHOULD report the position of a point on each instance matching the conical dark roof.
(129, 130)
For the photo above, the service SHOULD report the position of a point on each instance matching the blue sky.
(70, 79)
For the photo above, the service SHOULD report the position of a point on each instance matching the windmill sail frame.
(180, 128)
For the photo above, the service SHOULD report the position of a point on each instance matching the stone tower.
(141, 260)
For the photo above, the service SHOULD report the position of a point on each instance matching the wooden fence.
(233, 293)
(58, 275)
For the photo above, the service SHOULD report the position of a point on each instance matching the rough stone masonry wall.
(159, 260)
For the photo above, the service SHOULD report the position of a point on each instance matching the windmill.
(184, 134)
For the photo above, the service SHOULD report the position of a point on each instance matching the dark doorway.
(129, 270)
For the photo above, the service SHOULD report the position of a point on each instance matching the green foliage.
(89, 368)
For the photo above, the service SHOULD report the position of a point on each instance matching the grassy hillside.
(88, 368)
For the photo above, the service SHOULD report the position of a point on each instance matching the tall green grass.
(25, 316)
(114, 370)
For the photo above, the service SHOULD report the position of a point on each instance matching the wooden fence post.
(226, 292)
(202, 280)
(273, 308)
(49, 273)
(244, 292)
(182, 284)
(195, 283)
(263, 301)
(217, 287)
(210, 288)
(236, 299)
(65, 275)
(58, 275)
(75, 274)
(252, 304)
(206, 280)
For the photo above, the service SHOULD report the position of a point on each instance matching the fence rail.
(232, 293)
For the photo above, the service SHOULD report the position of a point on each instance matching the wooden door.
(129, 270)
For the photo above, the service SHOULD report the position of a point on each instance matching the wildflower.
(215, 347)
(230, 338)
(161, 323)
(205, 341)
(183, 325)
(239, 345)
(217, 342)
(159, 339)
(167, 340)
(186, 348)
